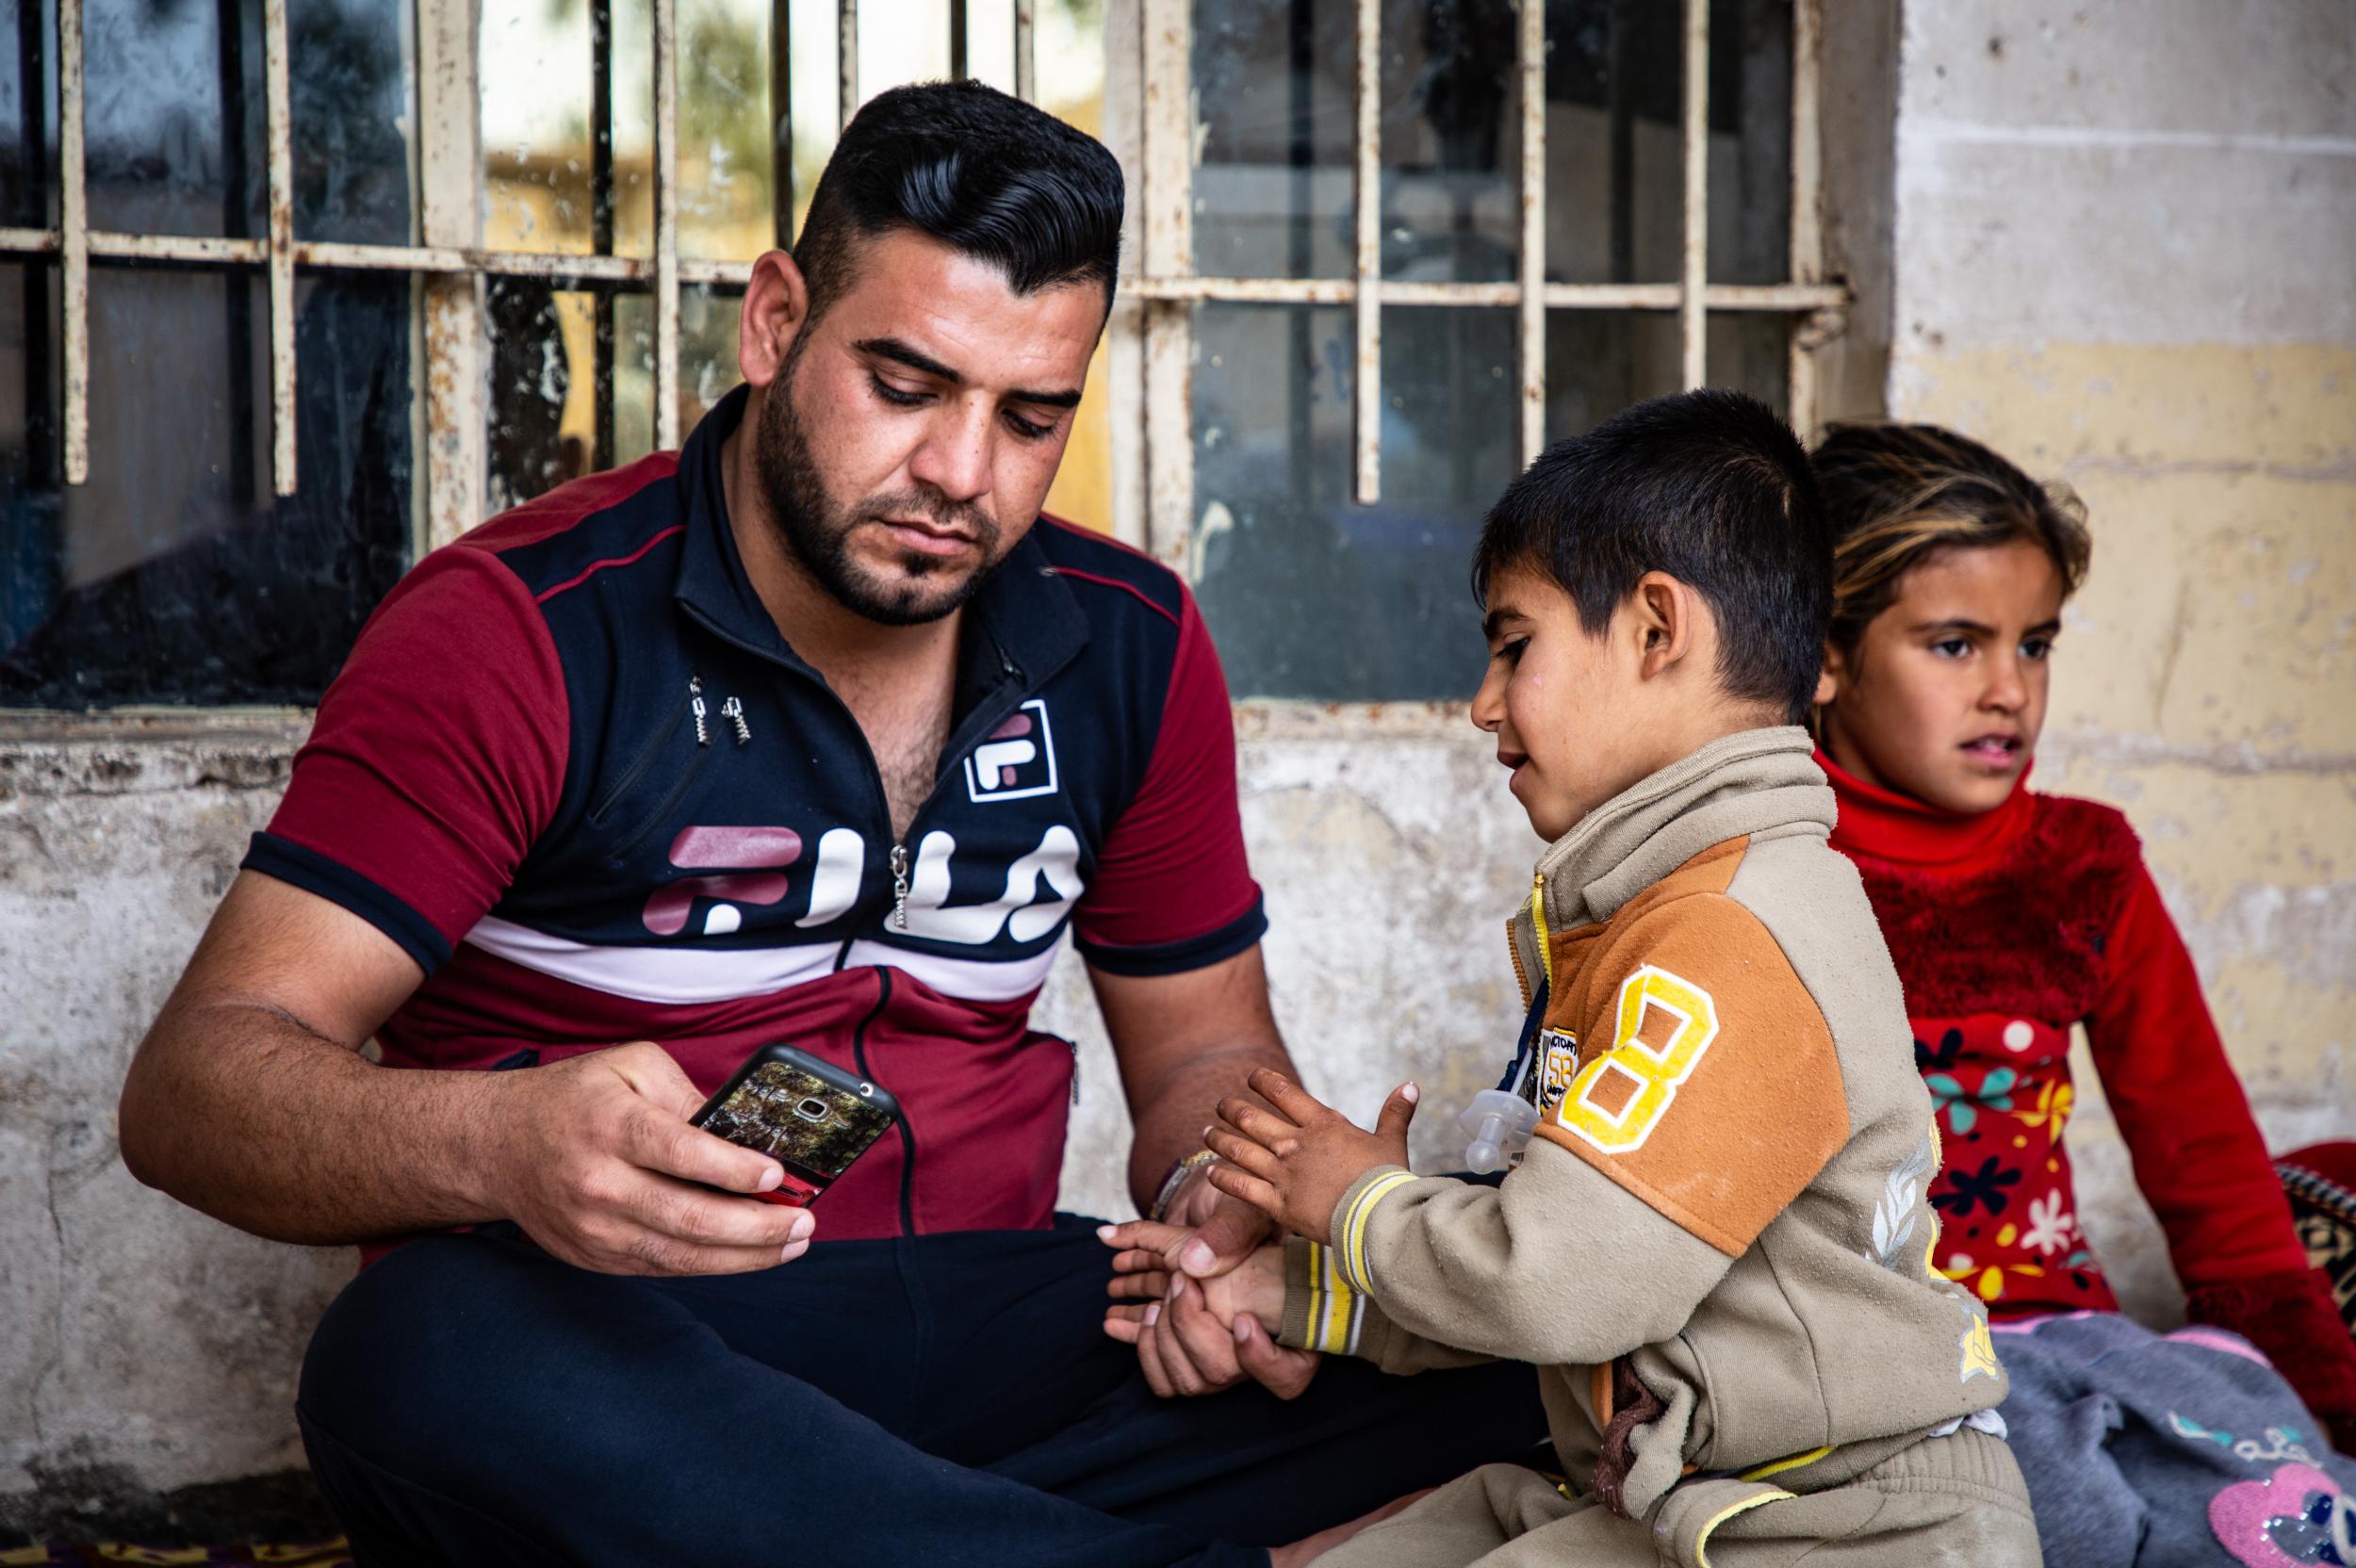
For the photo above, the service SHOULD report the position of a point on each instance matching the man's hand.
(1294, 1164)
(595, 1157)
(1200, 1337)
(1225, 1230)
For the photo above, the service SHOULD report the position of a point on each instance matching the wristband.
(1179, 1171)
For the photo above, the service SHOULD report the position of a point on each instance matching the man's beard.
(818, 535)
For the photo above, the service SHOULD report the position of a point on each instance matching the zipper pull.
(900, 886)
(696, 701)
(1075, 1071)
(735, 708)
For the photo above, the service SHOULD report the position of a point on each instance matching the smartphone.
(810, 1116)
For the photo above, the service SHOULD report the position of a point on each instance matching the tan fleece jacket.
(1728, 1185)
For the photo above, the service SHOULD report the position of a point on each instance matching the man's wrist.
(1179, 1171)
(480, 1115)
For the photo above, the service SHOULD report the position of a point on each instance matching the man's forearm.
(1172, 1113)
(242, 1111)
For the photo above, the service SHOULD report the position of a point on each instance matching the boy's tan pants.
(1954, 1500)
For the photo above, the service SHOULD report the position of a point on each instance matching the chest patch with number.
(1558, 1064)
(1663, 1026)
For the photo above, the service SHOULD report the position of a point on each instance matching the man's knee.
(424, 1343)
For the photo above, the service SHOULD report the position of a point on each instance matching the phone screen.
(814, 1128)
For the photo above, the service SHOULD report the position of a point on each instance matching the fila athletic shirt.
(511, 778)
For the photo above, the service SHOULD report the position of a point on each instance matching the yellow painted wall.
(2150, 298)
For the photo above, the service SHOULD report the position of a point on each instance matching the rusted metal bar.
(1027, 50)
(205, 250)
(1694, 310)
(782, 121)
(734, 274)
(1167, 221)
(602, 320)
(846, 61)
(1557, 296)
(1125, 331)
(667, 223)
(573, 267)
(1808, 231)
(1775, 296)
(278, 120)
(1533, 256)
(449, 181)
(1367, 432)
(73, 239)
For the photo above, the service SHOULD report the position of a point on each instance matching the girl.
(2013, 916)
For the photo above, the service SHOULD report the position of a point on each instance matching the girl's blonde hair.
(1897, 495)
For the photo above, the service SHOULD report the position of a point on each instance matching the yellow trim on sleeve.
(1701, 1541)
(1352, 1240)
(1777, 1467)
(1332, 1304)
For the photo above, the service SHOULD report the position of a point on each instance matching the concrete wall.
(143, 1346)
(2117, 249)
(2122, 253)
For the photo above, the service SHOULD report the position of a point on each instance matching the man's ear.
(1828, 678)
(777, 308)
(1668, 619)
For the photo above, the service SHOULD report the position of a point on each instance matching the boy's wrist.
(1260, 1289)
(1321, 1311)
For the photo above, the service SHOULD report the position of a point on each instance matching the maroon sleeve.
(2198, 1154)
(1173, 890)
(437, 757)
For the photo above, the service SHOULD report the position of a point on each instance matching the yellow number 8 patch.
(1616, 1097)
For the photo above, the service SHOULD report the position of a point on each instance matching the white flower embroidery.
(2050, 1227)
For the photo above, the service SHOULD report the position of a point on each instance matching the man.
(808, 733)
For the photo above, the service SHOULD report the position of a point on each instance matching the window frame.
(452, 263)
(1148, 47)
(1153, 327)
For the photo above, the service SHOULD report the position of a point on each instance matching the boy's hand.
(1294, 1164)
(1200, 1336)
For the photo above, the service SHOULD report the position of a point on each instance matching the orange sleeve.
(1708, 1085)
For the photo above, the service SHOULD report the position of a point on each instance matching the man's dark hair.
(983, 172)
(1711, 487)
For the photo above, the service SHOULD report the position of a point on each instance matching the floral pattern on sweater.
(2009, 1228)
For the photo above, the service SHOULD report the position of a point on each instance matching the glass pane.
(173, 124)
(1600, 361)
(708, 317)
(538, 115)
(1747, 351)
(29, 126)
(726, 211)
(1750, 140)
(176, 576)
(1614, 167)
(1307, 594)
(353, 81)
(165, 156)
(810, 62)
(901, 41)
(1272, 184)
(1451, 141)
(543, 412)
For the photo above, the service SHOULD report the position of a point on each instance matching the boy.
(1716, 1244)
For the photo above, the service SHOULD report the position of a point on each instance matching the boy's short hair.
(1711, 487)
(983, 172)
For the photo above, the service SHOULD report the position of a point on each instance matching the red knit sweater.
(2008, 926)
